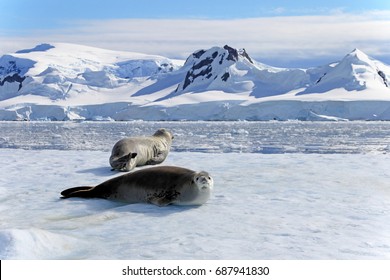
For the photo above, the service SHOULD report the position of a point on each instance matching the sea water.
(211, 137)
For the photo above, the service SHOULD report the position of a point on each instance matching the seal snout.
(204, 181)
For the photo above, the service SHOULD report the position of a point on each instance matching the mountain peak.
(206, 66)
(38, 48)
(356, 51)
(355, 72)
(357, 56)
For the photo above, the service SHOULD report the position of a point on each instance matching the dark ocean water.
(209, 137)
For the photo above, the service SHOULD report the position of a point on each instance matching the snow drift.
(67, 82)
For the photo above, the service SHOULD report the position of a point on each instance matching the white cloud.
(282, 38)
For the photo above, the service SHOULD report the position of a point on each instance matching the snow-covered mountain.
(65, 81)
(355, 72)
(216, 68)
(234, 71)
(61, 71)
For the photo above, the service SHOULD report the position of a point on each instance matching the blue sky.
(281, 33)
(46, 13)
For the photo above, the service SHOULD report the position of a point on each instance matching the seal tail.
(83, 191)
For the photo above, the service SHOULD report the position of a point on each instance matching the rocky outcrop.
(383, 76)
(15, 78)
(205, 66)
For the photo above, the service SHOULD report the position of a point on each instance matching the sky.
(279, 33)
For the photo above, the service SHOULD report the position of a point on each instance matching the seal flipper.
(163, 198)
(159, 158)
(126, 158)
(160, 201)
(123, 163)
(76, 192)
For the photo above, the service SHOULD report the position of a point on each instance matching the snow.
(283, 190)
(67, 71)
(355, 72)
(220, 83)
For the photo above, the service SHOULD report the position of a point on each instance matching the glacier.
(63, 81)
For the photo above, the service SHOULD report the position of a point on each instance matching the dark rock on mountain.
(15, 78)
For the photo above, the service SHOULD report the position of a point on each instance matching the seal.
(161, 186)
(130, 152)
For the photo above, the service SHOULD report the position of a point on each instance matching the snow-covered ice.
(272, 200)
